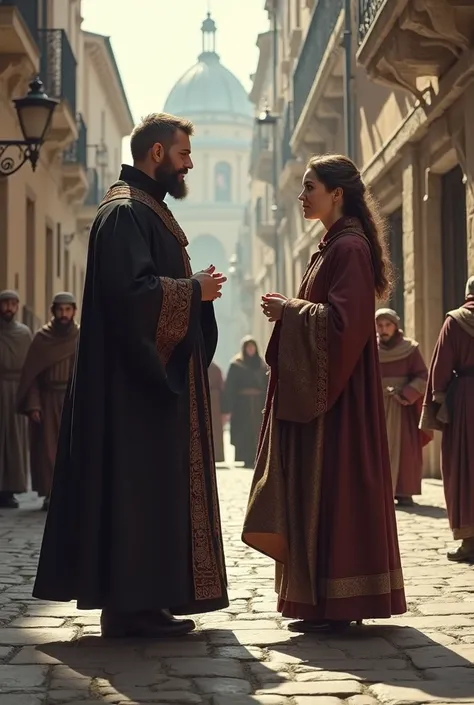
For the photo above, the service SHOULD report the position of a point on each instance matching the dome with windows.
(208, 88)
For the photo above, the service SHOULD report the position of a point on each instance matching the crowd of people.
(133, 526)
(34, 373)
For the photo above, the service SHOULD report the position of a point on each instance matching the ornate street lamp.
(34, 112)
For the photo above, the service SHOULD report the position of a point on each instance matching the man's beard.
(7, 316)
(168, 178)
(63, 321)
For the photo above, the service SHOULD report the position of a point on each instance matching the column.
(432, 283)
(412, 244)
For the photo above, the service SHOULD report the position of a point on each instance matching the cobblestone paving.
(52, 653)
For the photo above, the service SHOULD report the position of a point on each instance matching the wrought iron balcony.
(58, 66)
(261, 159)
(292, 168)
(94, 195)
(406, 44)
(322, 25)
(76, 153)
(368, 11)
(29, 12)
(286, 153)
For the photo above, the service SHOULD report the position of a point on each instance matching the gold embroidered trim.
(173, 322)
(207, 583)
(120, 191)
(322, 314)
(362, 585)
(213, 479)
(465, 532)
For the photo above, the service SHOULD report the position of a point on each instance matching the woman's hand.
(272, 305)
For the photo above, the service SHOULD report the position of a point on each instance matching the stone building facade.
(45, 215)
(412, 112)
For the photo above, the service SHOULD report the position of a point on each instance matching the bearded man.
(15, 339)
(44, 379)
(133, 526)
(404, 376)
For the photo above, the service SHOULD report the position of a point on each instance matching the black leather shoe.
(45, 506)
(8, 501)
(146, 625)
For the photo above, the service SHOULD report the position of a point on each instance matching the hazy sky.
(156, 41)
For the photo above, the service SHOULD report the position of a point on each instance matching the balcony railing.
(29, 11)
(258, 212)
(58, 66)
(94, 192)
(322, 25)
(286, 153)
(259, 144)
(76, 153)
(368, 11)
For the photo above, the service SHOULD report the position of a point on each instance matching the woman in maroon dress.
(321, 503)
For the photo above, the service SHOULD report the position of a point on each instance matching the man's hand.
(35, 416)
(272, 305)
(401, 400)
(211, 283)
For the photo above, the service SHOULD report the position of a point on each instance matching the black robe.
(244, 399)
(134, 520)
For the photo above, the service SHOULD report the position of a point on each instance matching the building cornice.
(99, 49)
(260, 76)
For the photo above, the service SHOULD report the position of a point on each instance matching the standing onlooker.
(15, 339)
(44, 379)
(216, 388)
(321, 503)
(449, 407)
(404, 376)
(244, 399)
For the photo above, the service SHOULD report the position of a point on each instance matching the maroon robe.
(449, 407)
(321, 504)
(403, 369)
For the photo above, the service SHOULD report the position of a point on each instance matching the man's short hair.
(156, 127)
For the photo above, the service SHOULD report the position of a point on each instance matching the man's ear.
(157, 152)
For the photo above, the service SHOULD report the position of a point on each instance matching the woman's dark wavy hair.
(337, 171)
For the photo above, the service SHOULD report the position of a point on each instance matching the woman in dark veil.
(244, 399)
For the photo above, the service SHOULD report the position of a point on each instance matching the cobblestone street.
(51, 653)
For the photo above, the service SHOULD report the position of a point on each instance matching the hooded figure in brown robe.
(321, 503)
(216, 388)
(449, 407)
(244, 399)
(44, 379)
(15, 339)
(404, 376)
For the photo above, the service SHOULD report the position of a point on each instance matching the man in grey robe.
(15, 340)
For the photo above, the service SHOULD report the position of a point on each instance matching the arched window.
(223, 182)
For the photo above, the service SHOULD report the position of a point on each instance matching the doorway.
(454, 238)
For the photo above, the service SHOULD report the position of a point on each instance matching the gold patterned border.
(120, 191)
(465, 532)
(213, 480)
(322, 372)
(362, 585)
(207, 582)
(173, 321)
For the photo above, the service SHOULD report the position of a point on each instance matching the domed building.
(213, 212)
